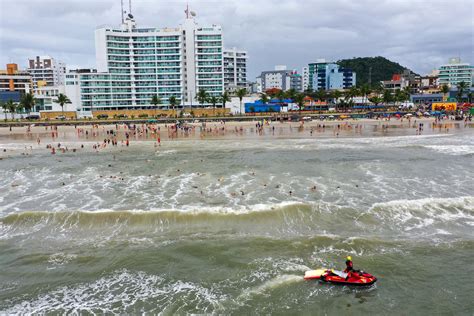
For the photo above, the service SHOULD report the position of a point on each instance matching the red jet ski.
(339, 277)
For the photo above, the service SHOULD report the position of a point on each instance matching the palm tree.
(11, 107)
(202, 96)
(225, 97)
(213, 100)
(336, 94)
(264, 98)
(461, 88)
(445, 90)
(280, 95)
(62, 99)
(365, 91)
(291, 94)
(173, 102)
(387, 97)
(299, 99)
(5, 108)
(155, 100)
(376, 100)
(241, 93)
(28, 102)
(469, 97)
(321, 95)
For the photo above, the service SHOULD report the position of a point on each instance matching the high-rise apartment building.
(46, 71)
(235, 69)
(134, 64)
(455, 72)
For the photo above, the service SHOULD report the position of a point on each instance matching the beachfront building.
(305, 78)
(73, 89)
(407, 79)
(235, 69)
(280, 78)
(330, 76)
(14, 83)
(430, 82)
(134, 64)
(46, 71)
(454, 72)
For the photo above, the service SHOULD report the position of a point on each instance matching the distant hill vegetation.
(382, 68)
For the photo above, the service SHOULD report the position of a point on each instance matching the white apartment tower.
(134, 64)
(46, 71)
(235, 69)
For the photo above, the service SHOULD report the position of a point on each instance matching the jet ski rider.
(349, 266)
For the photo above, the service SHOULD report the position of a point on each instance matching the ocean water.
(211, 226)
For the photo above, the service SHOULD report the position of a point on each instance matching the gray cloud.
(416, 33)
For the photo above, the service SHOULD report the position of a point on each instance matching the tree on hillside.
(62, 99)
(241, 93)
(379, 68)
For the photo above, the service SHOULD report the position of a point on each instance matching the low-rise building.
(14, 83)
(406, 79)
(281, 79)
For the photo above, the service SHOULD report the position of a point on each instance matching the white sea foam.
(118, 293)
(454, 150)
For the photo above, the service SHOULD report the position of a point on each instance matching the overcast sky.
(418, 34)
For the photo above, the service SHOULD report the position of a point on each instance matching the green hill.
(382, 68)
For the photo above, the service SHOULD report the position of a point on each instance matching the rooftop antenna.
(121, 6)
(187, 10)
(130, 6)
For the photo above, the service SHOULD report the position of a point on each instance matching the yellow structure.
(198, 112)
(52, 115)
(447, 106)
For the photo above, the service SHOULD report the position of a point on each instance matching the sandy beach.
(100, 137)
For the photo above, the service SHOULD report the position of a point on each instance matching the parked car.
(102, 116)
(60, 117)
(32, 117)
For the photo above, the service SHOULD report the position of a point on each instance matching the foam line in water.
(119, 293)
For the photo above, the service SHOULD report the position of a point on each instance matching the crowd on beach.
(121, 135)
